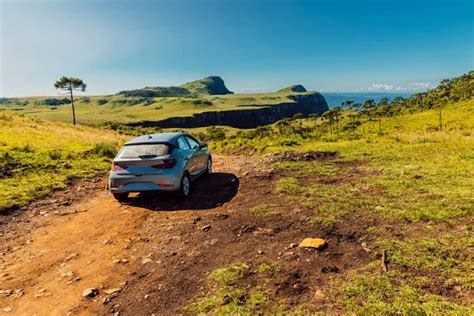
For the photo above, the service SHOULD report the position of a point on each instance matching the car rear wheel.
(121, 197)
(185, 189)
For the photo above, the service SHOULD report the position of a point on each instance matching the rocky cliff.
(308, 103)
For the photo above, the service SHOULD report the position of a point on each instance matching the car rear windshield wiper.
(147, 156)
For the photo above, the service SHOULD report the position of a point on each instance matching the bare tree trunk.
(440, 120)
(73, 110)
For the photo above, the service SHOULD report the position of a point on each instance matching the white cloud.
(381, 87)
(421, 85)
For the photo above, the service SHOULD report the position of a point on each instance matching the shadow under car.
(206, 193)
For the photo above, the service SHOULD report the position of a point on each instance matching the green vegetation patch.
(394, 294)
(226, 298)
(230, 301)
(448, 255)
(229, 273)
(37, 157)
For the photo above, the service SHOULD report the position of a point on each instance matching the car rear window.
(144, 151)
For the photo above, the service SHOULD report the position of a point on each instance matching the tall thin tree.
(70, 84)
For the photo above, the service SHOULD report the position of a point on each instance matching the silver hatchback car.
(162, 162)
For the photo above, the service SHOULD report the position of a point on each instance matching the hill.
(37, 157)
(212, 85)
(203, 102)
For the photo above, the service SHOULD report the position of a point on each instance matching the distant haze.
(336, 98)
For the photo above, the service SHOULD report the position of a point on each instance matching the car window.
(183, 144)
(144, 151)
(193, 143)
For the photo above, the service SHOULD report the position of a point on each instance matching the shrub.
(55, 154)
(102, 101)
(105, 149)
(201, 102)
(215, 133)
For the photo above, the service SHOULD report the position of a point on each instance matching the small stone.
(289, 255)
(146, 260)
(112, 291)
(364, 247)
(293, 245)
(7, 309)
(196, 219)
(90, 292)
(6, 293)
(72, 256)
(319, 295)
(222, 216)
(315, 243)
(147, 296)
(68, 274)
(206, 228)
(214, 241)
(260, 252)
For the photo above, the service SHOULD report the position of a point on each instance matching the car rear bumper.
(133, 183)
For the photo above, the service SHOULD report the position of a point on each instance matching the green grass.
(120, 109)
(38, 157)
(229, 273)
(229, 301)
(415, 182)
(393, 294)
(263, 209)
(226, 298)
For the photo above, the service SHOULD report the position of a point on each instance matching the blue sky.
(254, 45)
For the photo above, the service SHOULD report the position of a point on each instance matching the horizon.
(330, 47)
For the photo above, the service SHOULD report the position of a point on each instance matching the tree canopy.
(70, 83)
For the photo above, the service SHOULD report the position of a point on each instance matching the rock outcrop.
(213, 85)
(308, 103)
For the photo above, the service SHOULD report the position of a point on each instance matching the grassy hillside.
(37, 157)
(151, 103)
(406, 191)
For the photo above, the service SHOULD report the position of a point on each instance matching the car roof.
(156, 138)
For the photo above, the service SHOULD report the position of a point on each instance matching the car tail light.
(118, 168)
(166, 164)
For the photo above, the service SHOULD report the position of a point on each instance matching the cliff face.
(312, 103)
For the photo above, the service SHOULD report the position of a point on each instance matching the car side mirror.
(203, 145)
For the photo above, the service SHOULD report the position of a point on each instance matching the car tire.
(185, 187)
(209, 167)
(121, 197)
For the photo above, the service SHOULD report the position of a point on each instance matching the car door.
(199, 155)
(188, 154)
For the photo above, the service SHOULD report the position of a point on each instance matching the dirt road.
(153, 254)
